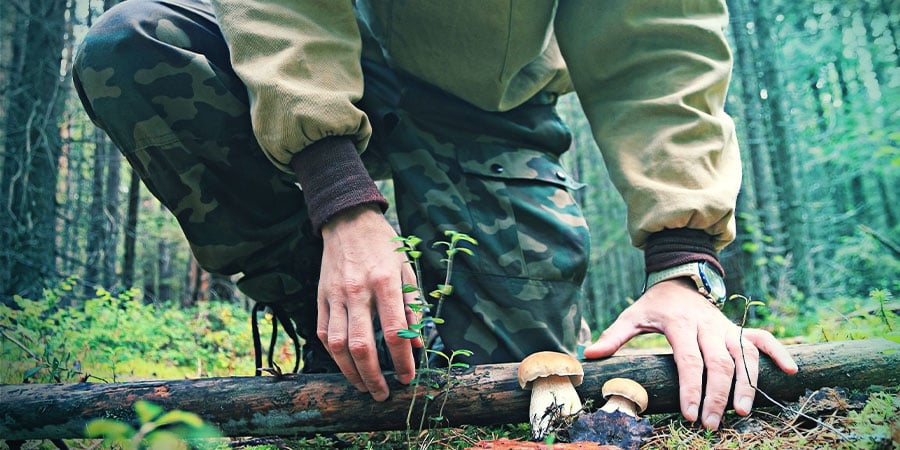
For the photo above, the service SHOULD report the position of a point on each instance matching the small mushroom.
(624, 395)
(552, 378)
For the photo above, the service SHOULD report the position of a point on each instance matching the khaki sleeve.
(300, 62)
(652, 77)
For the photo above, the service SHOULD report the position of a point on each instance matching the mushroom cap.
(630, 389)
(546, 364)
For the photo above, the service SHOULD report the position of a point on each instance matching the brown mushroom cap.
(630, 389)
(546, 364)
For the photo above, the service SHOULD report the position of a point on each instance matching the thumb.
(614, 337)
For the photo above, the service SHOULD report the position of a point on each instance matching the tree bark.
(484, 395)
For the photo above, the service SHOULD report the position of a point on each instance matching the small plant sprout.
(551, 377)
(425, 328)
(624, 395)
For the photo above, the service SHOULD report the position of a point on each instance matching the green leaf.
(413, 241)
(179, 416)
(407, 288)
(163, 440)
(463, 352)
(147, 411)
(466, 251)
(408, 334)
(107, 428)
(415, 254)
(31, 372)
(460, 365)
(445, 289)
(437, 320)
(465, 237)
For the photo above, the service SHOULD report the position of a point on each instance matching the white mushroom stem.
(619, 403)
(554, 392)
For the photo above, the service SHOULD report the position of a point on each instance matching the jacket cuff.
(672, 247)
(333, 179)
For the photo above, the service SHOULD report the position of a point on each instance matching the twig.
(19, 344)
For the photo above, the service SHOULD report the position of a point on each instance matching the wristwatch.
(707, 278)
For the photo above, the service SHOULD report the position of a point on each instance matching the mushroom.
(552, 378)
(624, 395)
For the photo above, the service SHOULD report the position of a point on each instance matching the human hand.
(702, 338)
(362, 276)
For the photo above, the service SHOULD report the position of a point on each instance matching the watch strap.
(690, 269)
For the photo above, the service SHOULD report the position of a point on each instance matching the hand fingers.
(746, 372)
(613, 338)
(689, 363)
(331, 328)
(362, 349)
(769, 345)
(719, 374)
(393, 315)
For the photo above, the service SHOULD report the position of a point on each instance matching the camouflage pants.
(155, 75)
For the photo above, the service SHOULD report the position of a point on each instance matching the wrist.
(701, 276)
(350, 215)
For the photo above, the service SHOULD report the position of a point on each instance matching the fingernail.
(745, 404)
(691, 412)
(711, 421)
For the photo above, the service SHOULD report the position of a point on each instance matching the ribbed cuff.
(333, 179)
(669, 248)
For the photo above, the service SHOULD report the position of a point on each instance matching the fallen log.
(483, 395)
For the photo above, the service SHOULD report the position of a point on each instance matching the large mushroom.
(551, 377)
(624, 395)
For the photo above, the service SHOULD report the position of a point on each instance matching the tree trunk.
(111, 214)
(129, 260)
(30, 165)
(484, 395)
(96, 232)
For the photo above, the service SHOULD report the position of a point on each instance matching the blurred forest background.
(815, 94)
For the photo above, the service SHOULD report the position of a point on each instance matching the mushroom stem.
(619, 403)
(551, 392)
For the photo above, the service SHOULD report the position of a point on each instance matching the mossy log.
(483, 395)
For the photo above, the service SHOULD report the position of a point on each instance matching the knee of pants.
(124, 33)
(138, 37)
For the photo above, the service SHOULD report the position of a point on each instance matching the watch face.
(714, 283)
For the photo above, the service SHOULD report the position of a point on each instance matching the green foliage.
(158, 429)
(116, 337)
(842, 318)
(866, 264)
(872, 425)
